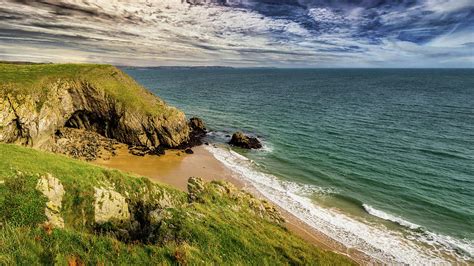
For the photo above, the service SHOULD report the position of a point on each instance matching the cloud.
(286, 33)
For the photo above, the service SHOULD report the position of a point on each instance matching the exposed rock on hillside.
(239, 139)
(52, 189)
(101, 99)
(199, 191)
(109, 206)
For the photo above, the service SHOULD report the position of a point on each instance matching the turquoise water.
(388, 147)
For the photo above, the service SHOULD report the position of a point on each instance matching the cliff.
(36, 100)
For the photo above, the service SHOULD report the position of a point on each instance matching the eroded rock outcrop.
(52, 189)
(32, 118)
(109, 206)
(197, 131)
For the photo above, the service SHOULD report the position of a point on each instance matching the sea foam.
(375, 240)
(386, 216)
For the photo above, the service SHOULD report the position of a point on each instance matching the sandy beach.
(175, 167)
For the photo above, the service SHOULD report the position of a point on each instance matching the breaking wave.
(410, 246)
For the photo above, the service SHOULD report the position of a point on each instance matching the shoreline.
(175, 167)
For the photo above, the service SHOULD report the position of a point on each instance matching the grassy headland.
(36, 79)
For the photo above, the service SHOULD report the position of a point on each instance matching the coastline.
(175, 167)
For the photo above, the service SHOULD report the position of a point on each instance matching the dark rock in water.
(189, 151)
(206, 143)
(227, 136)
(239, 139)
(197, 125)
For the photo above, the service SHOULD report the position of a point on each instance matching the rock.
(189, 151)
(157, 151)
(197, 125)
(110, 206)
(142, 150)
(138, 151)
(81, 144)
(52, 189)
(195, 188)
(198, 131)
(239, 139)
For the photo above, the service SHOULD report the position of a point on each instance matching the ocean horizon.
(377, 159)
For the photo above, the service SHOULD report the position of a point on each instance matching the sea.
(381, 160)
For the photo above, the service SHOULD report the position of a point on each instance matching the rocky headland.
(74, 109)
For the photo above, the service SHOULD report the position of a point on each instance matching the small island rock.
(239, 139)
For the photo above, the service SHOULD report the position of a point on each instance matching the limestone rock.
(239, 139)
(52, 189)
(109, 205)
(32, 119)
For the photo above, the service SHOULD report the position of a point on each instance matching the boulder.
(52, 189)
(241, 140)
(110, 206)
(189, 151)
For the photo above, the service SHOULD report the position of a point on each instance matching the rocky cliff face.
(31, 118)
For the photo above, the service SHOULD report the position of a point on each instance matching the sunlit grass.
(208, 232)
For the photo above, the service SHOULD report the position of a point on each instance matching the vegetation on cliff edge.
(36, 79)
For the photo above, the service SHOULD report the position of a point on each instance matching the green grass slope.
(216, 229)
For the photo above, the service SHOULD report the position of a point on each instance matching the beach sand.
(175, 167)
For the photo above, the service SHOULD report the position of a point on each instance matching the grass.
(218, 229)
(20, 80)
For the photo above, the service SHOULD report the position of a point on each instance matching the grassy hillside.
(220, 226)
(36, 79)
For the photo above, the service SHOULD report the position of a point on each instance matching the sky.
(240, 33)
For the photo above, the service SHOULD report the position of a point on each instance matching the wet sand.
(175, 167)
